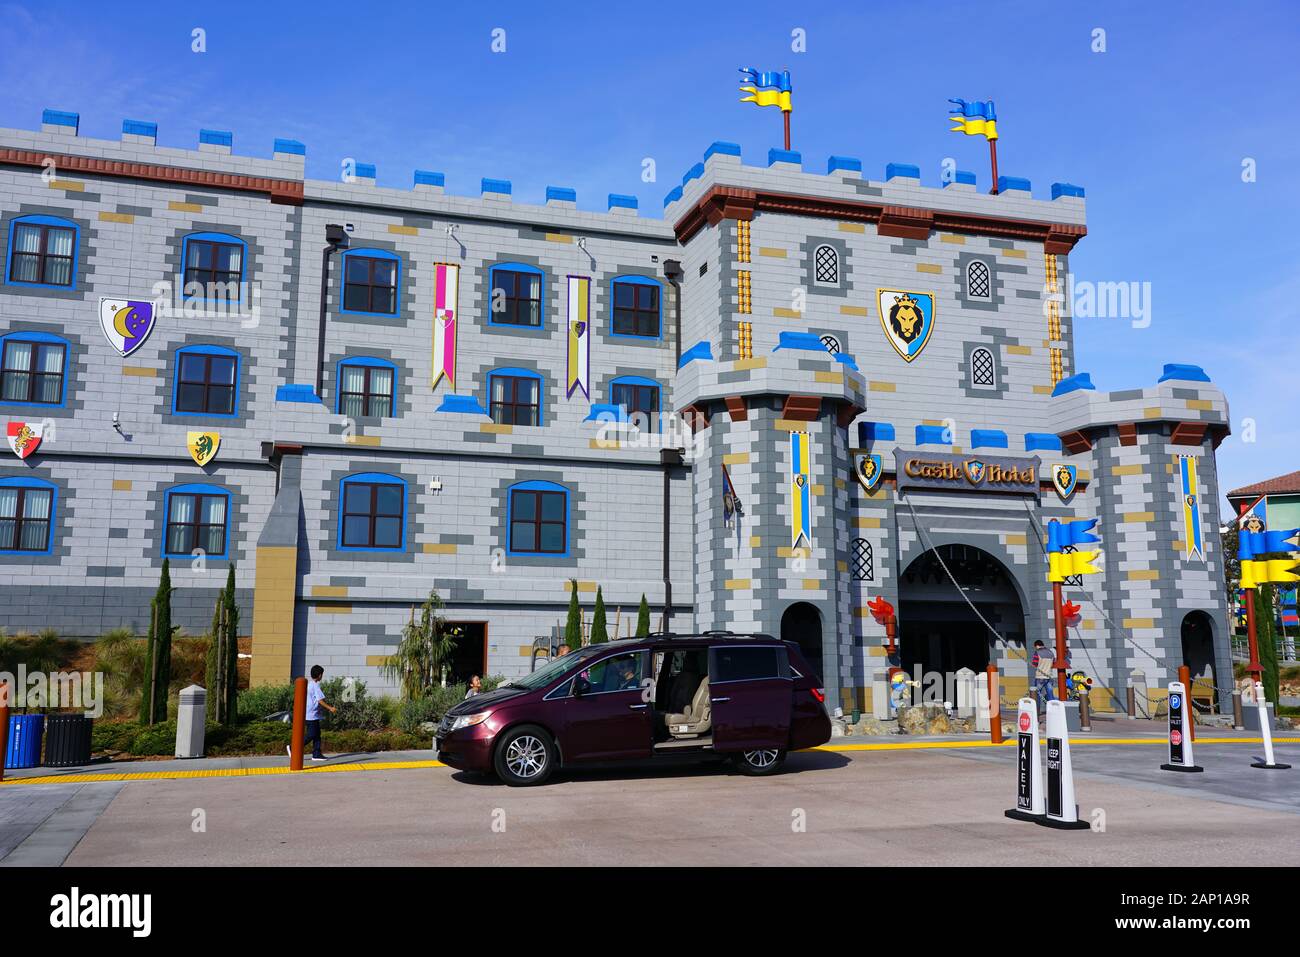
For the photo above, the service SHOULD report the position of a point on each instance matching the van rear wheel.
(760, 762)
(525, 756)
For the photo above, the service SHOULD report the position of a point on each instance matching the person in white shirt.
(315, 701)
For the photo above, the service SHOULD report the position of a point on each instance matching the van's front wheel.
(760, 762)
(525, 756)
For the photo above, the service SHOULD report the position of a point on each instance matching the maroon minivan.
(748, 698)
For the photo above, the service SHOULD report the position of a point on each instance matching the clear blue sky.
(1155, 128)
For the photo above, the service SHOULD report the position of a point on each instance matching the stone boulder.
(923, 719)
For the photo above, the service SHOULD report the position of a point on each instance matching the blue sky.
(1155, 128)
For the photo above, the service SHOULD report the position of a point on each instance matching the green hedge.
(252, 737)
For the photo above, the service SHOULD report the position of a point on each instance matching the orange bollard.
(299, 723)
(4, 726)
(995, 706)
(1185, 676)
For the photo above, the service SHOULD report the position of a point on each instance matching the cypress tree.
(599, 627)
(231, 651)
(573, 627)
(1266, 639)
(643, 618)
(158, 652)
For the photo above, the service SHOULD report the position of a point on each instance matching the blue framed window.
(43, 252)
(515, 397)
(33, 369)
(639, 399)
(27, 510)
(638, 307)
(214, 263)
(516, 295)
(374, 512)
(537, 519)
(366, 387)
(207, 381)
(372, 282)
(197, 518)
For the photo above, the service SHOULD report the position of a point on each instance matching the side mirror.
(580, 686)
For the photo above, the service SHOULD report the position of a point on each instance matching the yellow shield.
(203, 446)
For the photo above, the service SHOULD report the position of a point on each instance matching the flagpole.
(1255, 669)
(1059, 615)
(786, 115)
(993, 159)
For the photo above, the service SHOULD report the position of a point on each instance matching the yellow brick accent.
(1126, 470)
(1136, 517)
(496, 428)
(1043, 390)
(790, 425)
(397, 230)
(1139, 623)
(582, 587)
(1088, 624)
(782, 313)
(1020, 350)
(1200, 405)
(929, 267)
(1014, 686)
(772, 251)
(875, 386)
(812, 584)
(785, 551)
(1015, 538)
(738, 584)
(440, 548)
(107, 217)
(525, 651)
(932, 421)
(853, 310)
(1143, 575)
(873, 651)
(121, 485)
(852, 228)
(330, 609)
(952, 238)
(329, 591)
(1179, 545)
(558, 238)
(740, 365)
(273, 607)
(836, 378)
(369, 441)
(1169, 468)
(1151, 412)
(374, 661)
(71, 186)
(143, 372)
(1014, 253)
(1099, 699)
(841, 484)
(179, 207)
(863, 521)
(755, 541)
(842, 566)
(1020, 654)
(819, 490)
(736, 458)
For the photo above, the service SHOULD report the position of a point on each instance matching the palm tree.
(419, 664)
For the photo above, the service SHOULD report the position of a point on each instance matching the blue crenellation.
(962, 177)
(701, 350)
(1045, 441)
(365, 171)
(673, 196)
(988, 439)
(869, 432)
(293, 392)
(1181, 372)
(622, 201)
(799, 340)
(290, 147)
(462, 404)
(1080, 380)
(1066, 189)
(847, 360)
(695, 172)
(775, 156)
(61, 118)
(850, 163)
(604, 412)
(495, 186)
(562, 194)
(722, 148)
(140, 128)
(1006, 183)
(933, 435)
(217, 138)
(424, 177)
(902, 171)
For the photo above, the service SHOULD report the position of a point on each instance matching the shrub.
(265, 699)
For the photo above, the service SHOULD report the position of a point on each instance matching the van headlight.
(469, 720)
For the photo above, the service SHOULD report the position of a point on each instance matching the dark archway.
(802, 624)
(1198, 653)
(937, 629)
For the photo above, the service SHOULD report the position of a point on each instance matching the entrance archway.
(802, 624)
(937, 629)
(1198, 655)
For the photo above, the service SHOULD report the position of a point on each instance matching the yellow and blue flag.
(800, 491)
(766, 88)
(974, 118)
(1191, 506)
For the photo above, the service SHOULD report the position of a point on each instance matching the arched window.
(373, 513)
(639, 398)
(832, 344)
(864, 561)
(537, 519)
(826, 265)
(366, 387)
(42, 252)
(983, 370)
(372, 282)
(33, 369)
(516, 295)
(27, 512)
(638, 307)
(978, 280)
(212, 267)
(197, 517)
(207, 381)
(515, 397)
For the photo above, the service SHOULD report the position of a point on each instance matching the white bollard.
(965, 693)
(1267, 730)
(1029, 765)
(982, 702)
(1062, 811)
(1179, 738)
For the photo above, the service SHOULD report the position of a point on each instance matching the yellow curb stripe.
(932, 745)
(214, 773)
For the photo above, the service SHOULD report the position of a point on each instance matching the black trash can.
(67, 740)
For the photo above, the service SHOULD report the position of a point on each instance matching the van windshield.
(545, 675)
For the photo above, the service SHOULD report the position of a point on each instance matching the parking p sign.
(1180, 741)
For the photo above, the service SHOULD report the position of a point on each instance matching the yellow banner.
(767, 97)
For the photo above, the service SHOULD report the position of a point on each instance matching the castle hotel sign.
(966, 473)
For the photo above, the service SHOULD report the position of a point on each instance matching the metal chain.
(924, 537)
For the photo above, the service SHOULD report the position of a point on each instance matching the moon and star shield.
(1065, 478)
(907, 318)
(126, 323)
(202, 446)
(868, 469)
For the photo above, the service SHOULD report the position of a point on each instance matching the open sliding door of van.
(751, 695)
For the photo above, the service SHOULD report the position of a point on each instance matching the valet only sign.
(966, 473)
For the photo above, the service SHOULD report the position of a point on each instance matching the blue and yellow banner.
(766, 88)
(800, 491)
(974, 118)
(1191, 507)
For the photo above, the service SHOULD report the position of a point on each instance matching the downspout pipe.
(668, 458)
(336, 237)
(673, 273)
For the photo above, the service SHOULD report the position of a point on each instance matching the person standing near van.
(1042, 663)
(315, 701)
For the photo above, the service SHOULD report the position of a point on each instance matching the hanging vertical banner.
(800, 491)
(446, 286)
(579, 336)
(1191, 507)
